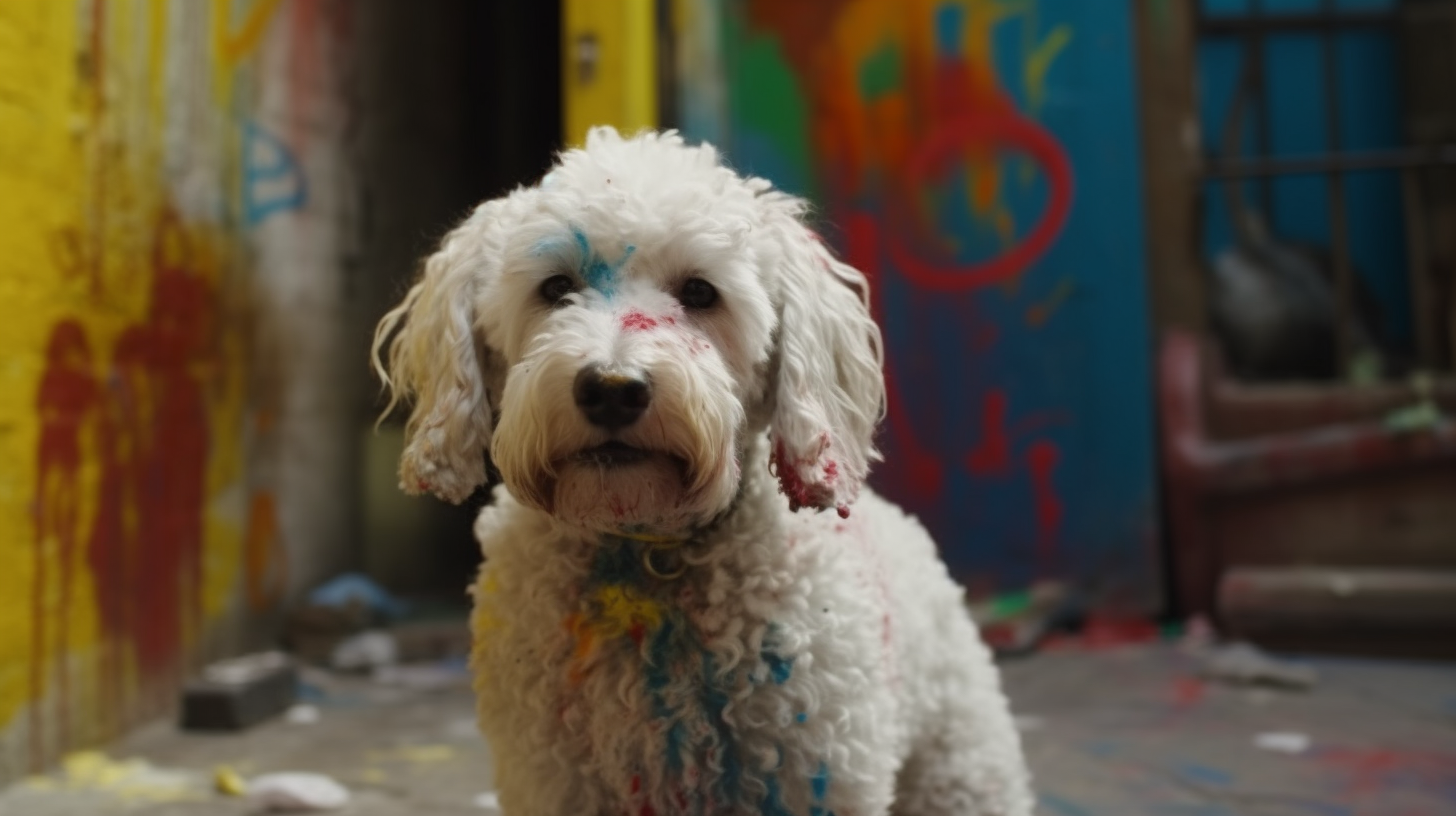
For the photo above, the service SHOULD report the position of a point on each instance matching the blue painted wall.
(1021, 428)
(1370, 119)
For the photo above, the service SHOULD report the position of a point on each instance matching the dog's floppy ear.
(437, 362)
(828, 383)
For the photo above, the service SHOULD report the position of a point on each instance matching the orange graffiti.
(234, 45)
(264, 568)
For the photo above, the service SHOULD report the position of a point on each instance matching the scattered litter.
(354, 588)
(1423, 415)
(229, 782)
(297, 792)
(1015, 623)
(488, 801)
(241, 671)
(128, 780)
(302, 714)
(1284, 742)
(425, 676)
(1242, 663)
(1198, 635)
(366, 650)
(235, 694)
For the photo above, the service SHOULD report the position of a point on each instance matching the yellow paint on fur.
(613, 612)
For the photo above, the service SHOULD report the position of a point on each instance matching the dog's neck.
(748, 500)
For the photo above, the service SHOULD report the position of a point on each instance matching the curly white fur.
(802, 663)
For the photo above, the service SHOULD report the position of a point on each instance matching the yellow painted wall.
(133, 176)
(619, 86)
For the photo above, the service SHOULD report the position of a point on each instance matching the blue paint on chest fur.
(780, 668)
(819, 788)
(773, 799)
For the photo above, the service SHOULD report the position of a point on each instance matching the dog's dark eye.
(557, 287)
(697, 293)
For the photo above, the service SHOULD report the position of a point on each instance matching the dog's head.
(615, 334)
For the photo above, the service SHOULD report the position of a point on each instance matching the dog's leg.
(968, 761)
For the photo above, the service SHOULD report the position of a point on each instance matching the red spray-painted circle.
(945, 145)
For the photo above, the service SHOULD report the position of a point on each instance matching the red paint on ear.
(792, 485)
(635, 321)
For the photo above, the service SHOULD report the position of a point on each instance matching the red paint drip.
(843, 511)
(637, 322)
(923, 475)
(1043, 458)
(993, 455)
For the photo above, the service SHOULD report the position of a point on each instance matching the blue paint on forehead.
(595, 271)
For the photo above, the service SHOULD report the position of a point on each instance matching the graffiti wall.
(978, 159)
(171, 231)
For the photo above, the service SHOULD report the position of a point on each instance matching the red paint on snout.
(637, 321)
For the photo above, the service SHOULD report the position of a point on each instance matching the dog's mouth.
(613, 454)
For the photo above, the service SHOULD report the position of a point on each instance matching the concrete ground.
(1127, 731)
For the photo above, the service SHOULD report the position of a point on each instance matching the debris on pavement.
(1245, 664)
(488, 801)
(229, 782)
(297, 792)
(365, 651)
(302, 714)
(1283, 742)
(357, 589)
(132, 780)
(239, 693)
(1016, 623)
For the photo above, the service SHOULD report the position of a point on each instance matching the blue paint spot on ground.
(1205, 775)
(802, 717)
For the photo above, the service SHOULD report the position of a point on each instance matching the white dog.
(642, 342)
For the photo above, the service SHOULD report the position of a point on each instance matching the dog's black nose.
(610, 401)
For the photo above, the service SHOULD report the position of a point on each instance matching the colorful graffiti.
(947, 146)
(137, 166)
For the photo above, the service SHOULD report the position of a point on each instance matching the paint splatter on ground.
(1120, 732)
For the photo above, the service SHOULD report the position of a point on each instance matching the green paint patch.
(765, 100)
(879, 73)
